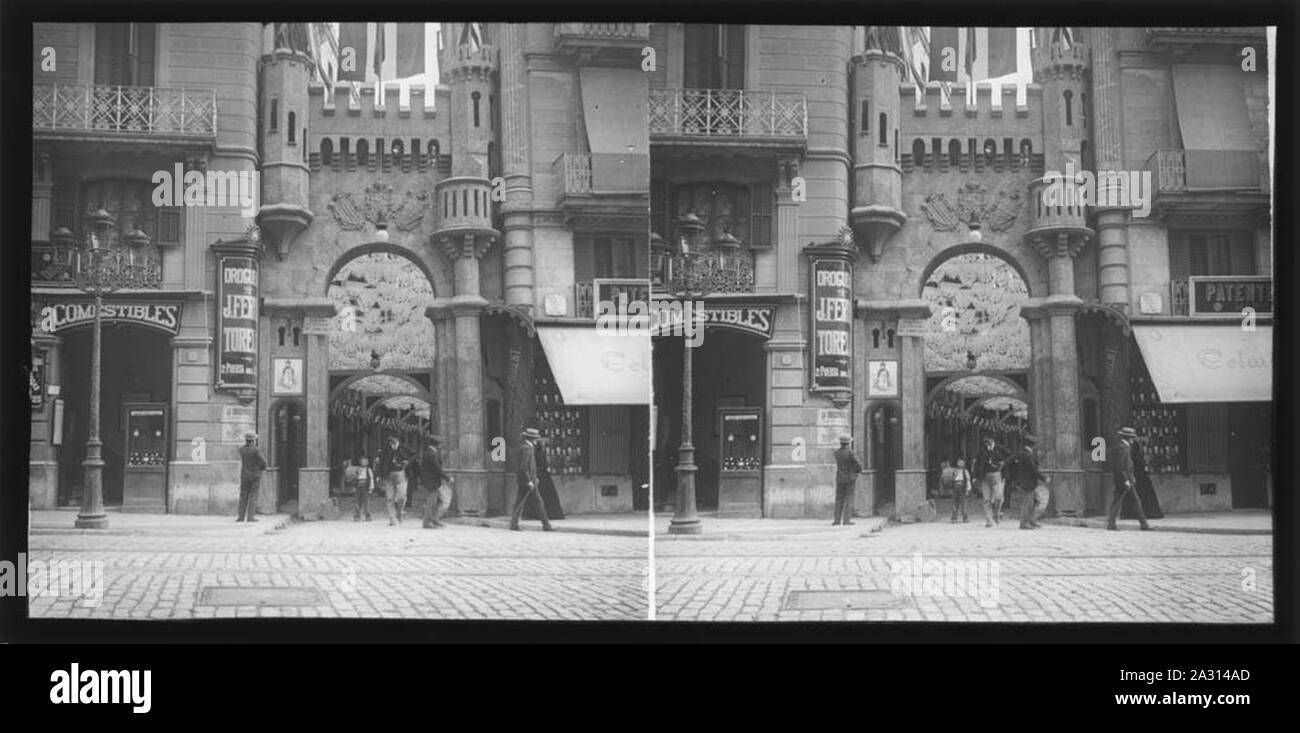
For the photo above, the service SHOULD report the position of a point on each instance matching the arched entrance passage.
(977, 355)
(382, 355)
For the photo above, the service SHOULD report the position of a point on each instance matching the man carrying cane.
(526, 477)
(1125, 479)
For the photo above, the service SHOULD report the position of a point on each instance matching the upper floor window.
(1193, 253)
(124, 54)
(743, 210)
(613, 257)
(129, 202)
(714, 57)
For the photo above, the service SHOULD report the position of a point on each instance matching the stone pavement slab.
(731, 529)
(1241, 522)
(63, 521)
(635, 524)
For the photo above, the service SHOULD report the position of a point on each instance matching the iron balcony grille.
(706, 273)
(100, 108)
(612, 31)
(728, 113)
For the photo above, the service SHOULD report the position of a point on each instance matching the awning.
(598, 367)
(614, 110)
(1208, 363)
(1219, 151)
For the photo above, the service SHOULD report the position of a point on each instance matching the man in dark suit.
(251, 466)
(435, 480)
(1125, 479)
(847, 469)
(1027, 477)
(526, 479)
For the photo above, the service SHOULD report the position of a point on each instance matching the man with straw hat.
(1125, 479)
(526, 478)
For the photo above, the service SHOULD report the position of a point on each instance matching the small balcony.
(1228, 182)
(613, 44)
(604, 188)
(102, 112)
(1056, 207)
(621, 292)
(1168, 171)
(705, 273)
(744, 118)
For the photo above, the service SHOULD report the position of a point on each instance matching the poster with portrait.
(286, 376)
(882, 378)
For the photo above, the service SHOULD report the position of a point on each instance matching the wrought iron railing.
(101, 108)
(577, 172)
(1179, 296)
(728, 113)
(619, 292)
(108, 268)
(706, 273)
(603, 31)
(615, 173)
(1168, 170)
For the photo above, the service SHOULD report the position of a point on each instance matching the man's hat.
(250, 437)
(989, 439)
(1029, 440)
(846, 439)
(1127, 432)
(532, 434)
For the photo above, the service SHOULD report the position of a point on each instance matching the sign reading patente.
(237, 282)
(1231, 295)
(162, 316)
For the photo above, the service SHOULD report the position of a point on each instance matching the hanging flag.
(380, 33)
(943, 54)
(471, 35)
(972, 45)
(916, 50)
(353, 49)
(1063, 36)
(1002, 52)
(409, 49)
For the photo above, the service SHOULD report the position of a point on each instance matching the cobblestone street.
(342, 569)
(1056, 574)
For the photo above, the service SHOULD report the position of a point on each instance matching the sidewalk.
(63, 521)
(635, 524)
(740, 529)
(1242, 522)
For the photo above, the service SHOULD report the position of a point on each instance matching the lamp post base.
(92, 521)
(686, 526)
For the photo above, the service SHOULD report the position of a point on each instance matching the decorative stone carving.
(378, 204)
(974, 204)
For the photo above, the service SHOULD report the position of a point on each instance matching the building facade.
(429, 257)
(901, 264)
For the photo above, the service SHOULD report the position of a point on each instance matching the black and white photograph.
(1020, 286)
(314, 320)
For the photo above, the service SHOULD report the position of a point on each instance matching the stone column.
(517, 160)
(787, 230)
(1107, 135)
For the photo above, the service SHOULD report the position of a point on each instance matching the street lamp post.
(685, 518)
(98, 270)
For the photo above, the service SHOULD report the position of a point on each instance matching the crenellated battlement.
(425, 100)
(986, 104)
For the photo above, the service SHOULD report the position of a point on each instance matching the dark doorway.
(1250, 438)
(884, 434)
(135, 366)
(288, 448)
(640, 457)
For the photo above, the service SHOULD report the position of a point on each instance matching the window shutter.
(169, 225)
(583, 265)
(609, 440)
(1242, 253)
(1207, 438)
(146, 46)
(698, 66)
(760, 228)
(110, 53)
(1197, 261)
(1179, 264)
(734, 56)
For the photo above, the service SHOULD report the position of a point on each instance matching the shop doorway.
(885, 455)
(729, 422)
(135, 375)
(288, 448)
(1250, 442)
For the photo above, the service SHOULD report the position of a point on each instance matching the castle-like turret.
(877, 205)
(286, 72)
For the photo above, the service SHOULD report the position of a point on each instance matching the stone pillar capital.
(1059, 244)
(465, 245)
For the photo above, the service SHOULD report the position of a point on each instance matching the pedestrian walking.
(251, 466)
(1144, 489)
(1123, 471)
(356, 480)
(960, 486)
(526, 479)
(847, 469)
(393, 461)
(546, 484)
(989, 460)
(436, 480)
(1026, 476)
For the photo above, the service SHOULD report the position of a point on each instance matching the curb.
(532, 527)
(281, 523)
(865, 528)
(1155, 527)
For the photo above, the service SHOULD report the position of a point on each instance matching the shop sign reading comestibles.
(832, 324)
(162, 316)
(237, 282)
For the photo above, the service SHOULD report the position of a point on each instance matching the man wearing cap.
(526, 478)
(393, 460)
(1028, 478)
(1125, 480)
(251, 466)
(988, 470)
(435, 481)
(847, 469)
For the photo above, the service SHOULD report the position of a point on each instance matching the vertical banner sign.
(832, 324)
(237, 283)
